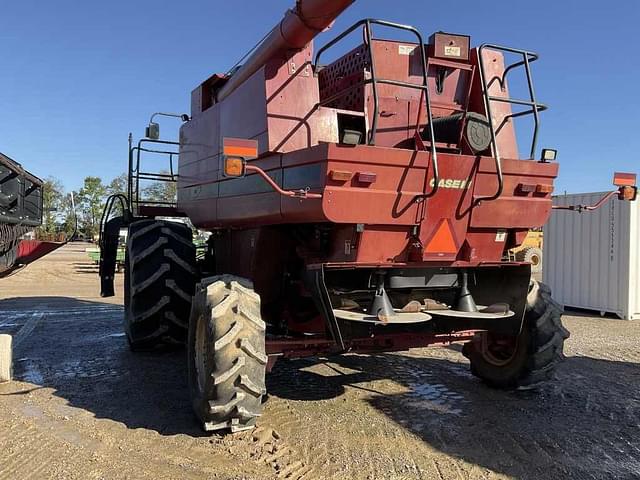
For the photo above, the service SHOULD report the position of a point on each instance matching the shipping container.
(592, 259)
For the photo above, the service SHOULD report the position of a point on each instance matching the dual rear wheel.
(227, 359)
(219, 319)
(160, 275)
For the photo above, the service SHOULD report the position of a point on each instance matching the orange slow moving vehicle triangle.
(442, 241)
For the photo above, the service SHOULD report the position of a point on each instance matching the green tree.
(89, 202)
(53, 198)
(118, 185)
(68, 219)
(160, 191)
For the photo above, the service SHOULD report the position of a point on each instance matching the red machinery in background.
(363, 204)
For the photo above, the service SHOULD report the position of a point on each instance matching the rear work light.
(549, 155)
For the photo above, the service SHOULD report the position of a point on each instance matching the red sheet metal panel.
(494, 70)
(398, 107)
(512, 212)
(31, 250)
(514, 209)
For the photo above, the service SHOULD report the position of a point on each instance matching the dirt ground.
(84, 407)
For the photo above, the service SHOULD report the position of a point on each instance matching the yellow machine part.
(533, 239)
(530, 250)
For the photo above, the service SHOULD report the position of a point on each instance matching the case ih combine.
(361, 205)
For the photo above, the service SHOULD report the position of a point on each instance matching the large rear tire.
(529, 360)
(227, 359)
(159, 282)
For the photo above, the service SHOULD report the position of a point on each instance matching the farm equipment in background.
(529, 251)
(366, 204)
(94, 252)
(20, 213)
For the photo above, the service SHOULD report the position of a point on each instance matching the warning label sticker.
(406, 49)
(451, 51)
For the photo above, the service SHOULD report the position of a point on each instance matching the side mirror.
(152, 131)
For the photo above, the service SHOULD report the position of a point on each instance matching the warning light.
(234, 166)
(340, 175)
(544, 188)
(628, 193)
(442, 241)
(236, 152)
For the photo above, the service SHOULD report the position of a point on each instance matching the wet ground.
(84, 407)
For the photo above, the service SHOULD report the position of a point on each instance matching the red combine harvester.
(362, 205)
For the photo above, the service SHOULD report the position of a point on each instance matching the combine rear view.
(365, 204)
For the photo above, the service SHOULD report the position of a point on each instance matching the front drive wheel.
(227, 359)
(526, 361)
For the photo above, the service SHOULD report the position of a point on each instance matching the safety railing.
(535, 107)
(136, 174)
(374, 81)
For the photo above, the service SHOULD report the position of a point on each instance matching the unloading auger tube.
(298, 27)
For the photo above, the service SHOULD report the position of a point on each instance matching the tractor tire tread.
(231, 397)
(544, 350)
(159, 282)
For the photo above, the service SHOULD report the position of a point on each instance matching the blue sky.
(77, 76)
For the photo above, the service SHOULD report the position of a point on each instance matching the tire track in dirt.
(19, 458)
(27, 329)
(439, 447)
(411, 415)
(363, 450)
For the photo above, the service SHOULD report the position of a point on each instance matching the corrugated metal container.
(592, 259)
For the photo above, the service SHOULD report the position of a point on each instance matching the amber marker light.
(544, 188)
(340, 175)
(234, 166)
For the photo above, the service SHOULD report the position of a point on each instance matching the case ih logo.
(453, 183)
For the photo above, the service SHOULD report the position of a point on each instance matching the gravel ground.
(84, 407)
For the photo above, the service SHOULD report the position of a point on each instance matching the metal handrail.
(527, 59)
(374, 81)
(106, 213)
(135, 175)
